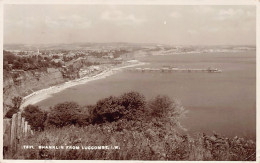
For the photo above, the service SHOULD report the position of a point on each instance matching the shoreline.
(200, 53)
(43, 94)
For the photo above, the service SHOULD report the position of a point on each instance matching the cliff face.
(24, 83)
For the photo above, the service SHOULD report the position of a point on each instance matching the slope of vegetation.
(139, 129)
(26, 62)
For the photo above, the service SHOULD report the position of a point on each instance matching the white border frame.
(132, 2)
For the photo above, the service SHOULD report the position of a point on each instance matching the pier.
(209, 70)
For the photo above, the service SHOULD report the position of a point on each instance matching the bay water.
(222, 102)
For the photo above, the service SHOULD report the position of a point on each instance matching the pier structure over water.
(209, 70)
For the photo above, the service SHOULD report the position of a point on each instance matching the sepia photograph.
(133, 81)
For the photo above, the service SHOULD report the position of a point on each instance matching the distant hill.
(113, 45)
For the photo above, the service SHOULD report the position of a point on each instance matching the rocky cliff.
(25, 82)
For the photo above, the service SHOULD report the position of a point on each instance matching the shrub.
(108, 110)
(163, 109)
(64, 114)
(134, 104)
(10, 112)
(160, 106)
(35, 117)
(145, 139)
(128, 106)
(16, 101)
(84, 118)
(149, 143)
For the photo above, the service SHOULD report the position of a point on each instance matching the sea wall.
(26, 82)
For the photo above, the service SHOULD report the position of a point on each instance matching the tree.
(85, 118)
(16, 103)
(9, 57)
(6, 67)
(129, 106)
(34, 116)
(108, 110)
(160, 106)
(55, 57)
(163, 109)
(64, 114)
(134, 104)
(17, 64)
(59, 64)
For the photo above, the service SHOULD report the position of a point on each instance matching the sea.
(223, 103)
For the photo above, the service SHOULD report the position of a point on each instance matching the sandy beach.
(42, 94)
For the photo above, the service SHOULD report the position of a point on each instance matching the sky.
(162, 24)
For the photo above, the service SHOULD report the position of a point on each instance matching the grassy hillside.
(138, 129)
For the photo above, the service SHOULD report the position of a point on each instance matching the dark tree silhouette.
(34, 116)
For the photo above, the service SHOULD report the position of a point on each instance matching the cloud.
(26, 22)
(118, 17)
(30, 22)
(208, 28)
(231, 13)
(203, 9)
(224, 14)
(192, 31)
(175, 15)
(72, 21)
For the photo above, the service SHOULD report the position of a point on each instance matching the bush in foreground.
(130, 106)
(107, 110)
(64, 114)
(16, 103)
(151, 133)
(134, 105)
(35, 117)
(139, 141)
(166, 112)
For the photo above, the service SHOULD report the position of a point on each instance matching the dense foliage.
(64, 114)
(35, 117)
(128, 106)
(34, 62)
(108, 110)
(137, 141)
(116, 53)
(141, 130)
(134, 104)
(14, 108)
